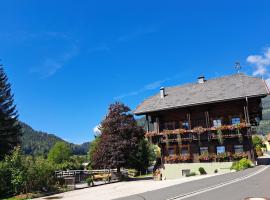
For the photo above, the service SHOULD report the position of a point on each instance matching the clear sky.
(68, 60)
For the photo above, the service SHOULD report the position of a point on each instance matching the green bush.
(24, 174)
(12, 174)
(20, 174)
(90, 181)
(5, 180)
(257, 141)
(202, 171)
(191, 174)
(59, 153)
(40, 175)
(16, 164)
(241, 164)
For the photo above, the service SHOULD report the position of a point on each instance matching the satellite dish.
(237, 67)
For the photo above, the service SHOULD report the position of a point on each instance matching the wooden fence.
(73, 177)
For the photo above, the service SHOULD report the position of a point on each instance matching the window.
(184, 151)
(169, 125)
(185, 172)
(217, 122)
(171, 151)
(220, 149)
(185, 125)
(235, 120)
(238, 148)
(203, 150)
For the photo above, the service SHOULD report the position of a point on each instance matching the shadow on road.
(140, 179)
(264, 160)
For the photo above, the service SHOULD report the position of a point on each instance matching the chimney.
(162, 92)
(201, 79)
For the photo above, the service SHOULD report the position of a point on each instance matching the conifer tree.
(10, 130)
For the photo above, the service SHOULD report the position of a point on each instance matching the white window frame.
(238, 148)
(223, 147)
(185, 125)
(186, 150)
(169, 125)
(217, 122)
(204, 150)
(234, 118)
(171, 151)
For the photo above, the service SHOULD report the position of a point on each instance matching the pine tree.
(10, 130)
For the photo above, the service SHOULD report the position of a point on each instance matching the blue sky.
(68, 61)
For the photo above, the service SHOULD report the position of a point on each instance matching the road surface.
(253, 182)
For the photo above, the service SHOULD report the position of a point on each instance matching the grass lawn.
(144, 176)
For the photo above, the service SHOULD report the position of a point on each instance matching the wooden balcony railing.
(200, 130)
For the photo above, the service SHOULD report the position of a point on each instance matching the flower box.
(239, 156)
(177, 159)
(205, 157)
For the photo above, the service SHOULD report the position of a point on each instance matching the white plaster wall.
(174, 171)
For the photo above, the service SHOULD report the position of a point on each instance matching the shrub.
(5, 180)
(90, 181)
(12, 174)
(216, 171)
(16, 164)
(40, 175)
(191, 174)
(258, 150)
(241, 164)
(257, 141)
(202, 171)
(59, 153)
(21, 174)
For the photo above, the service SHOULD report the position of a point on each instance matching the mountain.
(39, 143)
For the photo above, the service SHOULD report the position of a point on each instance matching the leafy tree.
(9, 127)
(60, 153)
(257, 141)
(93, 149)
(12, 173)
(120, 138)
(39, 174)
(23, 174)
(5, 180)
(144, 156)
(18, 170)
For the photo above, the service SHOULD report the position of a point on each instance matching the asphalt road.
(253, 182)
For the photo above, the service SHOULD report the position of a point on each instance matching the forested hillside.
(39, 143)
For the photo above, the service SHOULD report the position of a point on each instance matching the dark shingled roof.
(220, 89)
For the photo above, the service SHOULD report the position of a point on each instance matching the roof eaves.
(195, 104)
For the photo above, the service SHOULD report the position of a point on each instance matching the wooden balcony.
(227, 131)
